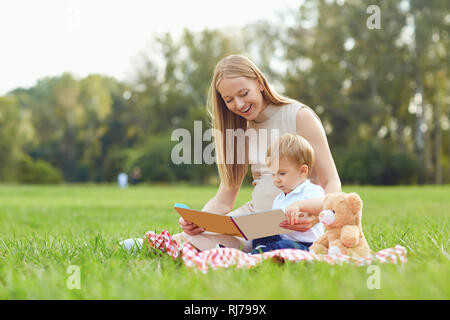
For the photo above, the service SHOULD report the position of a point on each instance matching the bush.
(154, 159)
(376, 163)
(40, 172)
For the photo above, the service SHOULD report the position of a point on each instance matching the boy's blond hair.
(293, 147)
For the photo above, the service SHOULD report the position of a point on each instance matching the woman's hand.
(302, 222)
(190, 228)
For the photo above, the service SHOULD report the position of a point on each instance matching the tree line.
(382, 95)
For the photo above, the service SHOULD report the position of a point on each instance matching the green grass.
(45, 229)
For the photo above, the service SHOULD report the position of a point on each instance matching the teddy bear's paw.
(318, 249)
(334, 250)
(349, 243)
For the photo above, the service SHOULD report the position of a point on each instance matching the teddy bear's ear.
(327, 196)
(355, 201)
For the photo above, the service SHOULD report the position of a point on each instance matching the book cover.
(248, 226)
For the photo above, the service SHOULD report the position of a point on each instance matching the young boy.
(290, 160)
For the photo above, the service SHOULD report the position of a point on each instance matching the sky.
(48, 37)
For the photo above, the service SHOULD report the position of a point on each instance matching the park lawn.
(46, 229)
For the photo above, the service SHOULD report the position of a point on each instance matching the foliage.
(382, 95)
(39, 171)
(9, 136)
(378, 164)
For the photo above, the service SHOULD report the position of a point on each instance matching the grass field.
(46, 229)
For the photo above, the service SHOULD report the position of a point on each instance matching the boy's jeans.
(275, 242)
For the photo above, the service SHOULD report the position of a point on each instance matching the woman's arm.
(310, 128)
(222, 202)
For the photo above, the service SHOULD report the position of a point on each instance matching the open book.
(248, 225)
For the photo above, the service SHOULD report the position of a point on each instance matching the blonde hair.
(222, 118)
(293, 147)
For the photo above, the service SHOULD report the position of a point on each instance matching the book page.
(261, 224)
(212, 222)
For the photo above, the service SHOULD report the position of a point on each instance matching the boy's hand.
(296, 220)
(293, 208)
(292, 213)
(294, 217)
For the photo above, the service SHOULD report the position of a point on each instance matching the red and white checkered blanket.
(226, 257)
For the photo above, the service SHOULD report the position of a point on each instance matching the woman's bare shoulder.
(307, 119)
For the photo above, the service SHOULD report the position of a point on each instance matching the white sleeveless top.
(283, 118)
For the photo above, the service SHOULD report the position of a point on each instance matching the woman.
(241, 98)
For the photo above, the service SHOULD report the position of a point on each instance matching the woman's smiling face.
(242, 96)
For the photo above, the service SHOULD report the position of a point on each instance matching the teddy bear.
(341, 217)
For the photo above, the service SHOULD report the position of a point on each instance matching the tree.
(9, 136)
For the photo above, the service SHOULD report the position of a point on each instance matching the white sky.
(48, 37)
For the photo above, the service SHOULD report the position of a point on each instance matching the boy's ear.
(304, 170)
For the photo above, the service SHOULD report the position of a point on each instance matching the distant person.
(122, 180)
(136, 176)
